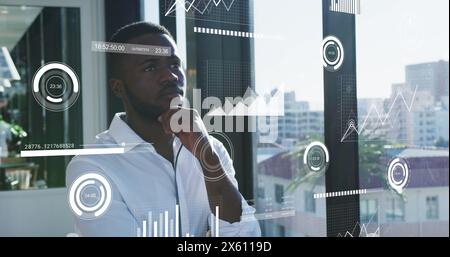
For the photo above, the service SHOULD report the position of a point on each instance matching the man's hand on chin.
(188, 126)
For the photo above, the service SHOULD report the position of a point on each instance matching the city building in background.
(422, 123)
(430, 77)
(298, 122)
(415, 126)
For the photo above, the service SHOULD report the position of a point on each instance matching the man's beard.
(145, 110)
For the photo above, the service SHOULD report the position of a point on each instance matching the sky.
(389, 35)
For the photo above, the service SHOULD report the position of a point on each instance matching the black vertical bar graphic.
(342, 213)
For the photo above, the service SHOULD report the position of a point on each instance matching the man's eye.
(150, 68)
(175, 66)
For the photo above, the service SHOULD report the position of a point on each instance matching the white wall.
(42, 212)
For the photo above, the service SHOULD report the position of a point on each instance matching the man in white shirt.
(168, 182)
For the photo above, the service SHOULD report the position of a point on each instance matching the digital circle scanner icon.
(332, 53)
(56, 87)
(90, 196)
(316, 157)
(398, 174)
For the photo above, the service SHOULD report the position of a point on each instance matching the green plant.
(17, 136)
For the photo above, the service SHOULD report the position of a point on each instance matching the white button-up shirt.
(146, 189)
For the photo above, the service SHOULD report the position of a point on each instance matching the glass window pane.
(403, 126)
(286, 62)
(432, 205)
(46, 115)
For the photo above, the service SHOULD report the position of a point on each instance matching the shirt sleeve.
(115, 221)
(248, 226)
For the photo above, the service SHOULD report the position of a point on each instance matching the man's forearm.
(221, 191)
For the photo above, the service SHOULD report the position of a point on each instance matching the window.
(281, 231)
(279, 162)
(45, 35)
(395, 210)
(279, 193)
(369, 211)
(310, 202)
(388, 122)
(432, 207)
(260, 192)
(412, 88)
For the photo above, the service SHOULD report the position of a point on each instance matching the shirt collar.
(123, 134)
(127, 138)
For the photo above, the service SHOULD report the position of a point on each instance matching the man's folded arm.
(248, 226)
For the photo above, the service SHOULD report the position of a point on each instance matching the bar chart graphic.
(346, 6)
(160, 225)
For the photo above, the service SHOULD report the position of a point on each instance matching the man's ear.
(117, 86)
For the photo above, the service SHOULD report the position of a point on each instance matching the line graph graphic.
(381, 118)
(363, 229)
(363, 232)
(199, 6)
(226, 12)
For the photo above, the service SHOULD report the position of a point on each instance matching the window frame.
(310, 201)
(278, 193)
(432, 209)
(395, 204)
(371, 217)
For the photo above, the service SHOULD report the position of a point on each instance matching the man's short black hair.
(125, 34)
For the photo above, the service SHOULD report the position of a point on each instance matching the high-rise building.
(417, 117)
(298, 121)
(432, 77)
(427, 126)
